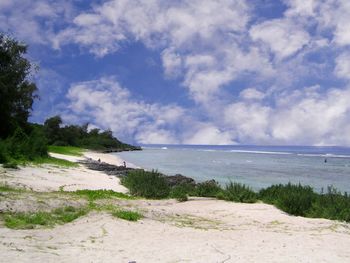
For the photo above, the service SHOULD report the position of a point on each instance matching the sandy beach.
(199, 230)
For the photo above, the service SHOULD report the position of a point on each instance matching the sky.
(258, 72)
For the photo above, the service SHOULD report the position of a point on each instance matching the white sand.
(200, 230)
(53, 178)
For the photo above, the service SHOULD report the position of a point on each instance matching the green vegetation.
(146, 184)
(303, 201)
(331, 205)
(79, 136)
(17, 92)
(54, 161)
(93, 195)
(208, 189)
(7, 188)
(127, 215)
(237, 192)
(293, 199)
(66, 150)
(180, 192)
(31, 220)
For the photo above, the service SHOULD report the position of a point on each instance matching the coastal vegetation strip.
(294, 199)
(66, 150)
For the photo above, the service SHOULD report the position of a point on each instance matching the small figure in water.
(99, 160)
(325, 160)
(124, 163)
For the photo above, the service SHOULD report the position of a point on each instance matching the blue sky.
(192, 72)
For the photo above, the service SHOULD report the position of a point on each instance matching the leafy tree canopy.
(17, 92)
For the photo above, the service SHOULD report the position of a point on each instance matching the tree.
(17, 92)
(52, 129)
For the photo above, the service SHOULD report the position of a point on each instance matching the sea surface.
(256, 166)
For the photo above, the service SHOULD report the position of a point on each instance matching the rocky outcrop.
(121, 171)
(179, 179)
(109, 169)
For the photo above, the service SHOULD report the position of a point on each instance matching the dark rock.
(178, 179)
(109, 169)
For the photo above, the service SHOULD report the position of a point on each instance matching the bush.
(3, 152)
(208, 189)
(21, 147)
(331, 205)
(179, 192)
(127, 215)
(238, 193)
(146, 184)
(293, 199)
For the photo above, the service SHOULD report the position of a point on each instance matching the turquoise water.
(256, 166)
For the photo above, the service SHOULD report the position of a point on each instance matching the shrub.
(238, 193)
(3, 152)
(127, 215)
(101, 194)
(146, 184)
(331, 205)
(293, 199)
(21, 147)
(31, 220)
(179, 192)
(208, 189)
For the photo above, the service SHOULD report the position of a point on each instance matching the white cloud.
(24, 18)
(172, 63)
(107, 105)
(283, 37)
(342, 69)
(251, 94)
(207, 134)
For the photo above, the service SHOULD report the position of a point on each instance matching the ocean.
(255, 166)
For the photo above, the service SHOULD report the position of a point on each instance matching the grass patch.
(146, 184)
(66, 150)
(32, 220)
(54, 161)
(180, 192)
(93, 195)
(127, 215)
(238, 193)
(207, 189)
(7, 188)
(294, 199)
(331, 205)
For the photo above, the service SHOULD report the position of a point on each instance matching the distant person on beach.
(124, 163)
(99, 160)
(325, 160)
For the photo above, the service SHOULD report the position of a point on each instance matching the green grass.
(7, 188)
(66, 150)
(32, 220)
(146, 184)
(293, 199)
(237, 192)
(127, 215)
(93, 195)
(54, 161)
(180, 193)
(207, 189)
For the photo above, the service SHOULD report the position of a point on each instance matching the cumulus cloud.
(342, 68)
(108, 105)
(282, 36)
(23, 18)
